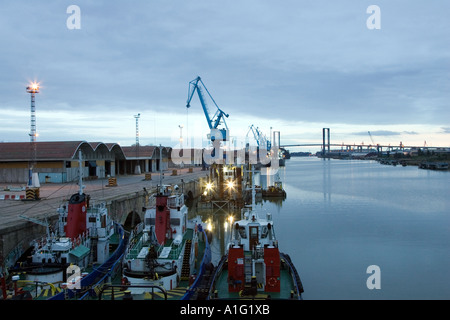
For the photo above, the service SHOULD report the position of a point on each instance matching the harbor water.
(341, 217)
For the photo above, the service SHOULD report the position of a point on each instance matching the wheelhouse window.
(242, 232)
(264, 232)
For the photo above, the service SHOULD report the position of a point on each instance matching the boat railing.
(133, 252)
(218, 269)
(174, 250)
(97, 207)
(135, 245)
(121, 287)
(295, 277)
(205, 261)
(258, 252)
(106, 271)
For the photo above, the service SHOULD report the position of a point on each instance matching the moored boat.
(71, 256)
(253, 266)
(167, 251)
(276, 190)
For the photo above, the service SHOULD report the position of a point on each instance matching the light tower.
(138, 167)
(181, 136)
(33, 88)
(181, 142)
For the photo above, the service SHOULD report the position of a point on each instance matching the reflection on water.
(340, 217)
(218, 219)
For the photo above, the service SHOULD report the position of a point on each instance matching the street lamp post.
(138, 167)
(181, 143)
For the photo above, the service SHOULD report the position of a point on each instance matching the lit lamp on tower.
(33, 88)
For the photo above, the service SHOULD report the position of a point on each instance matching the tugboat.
(253, 266)
(85, 243)
(165, 250)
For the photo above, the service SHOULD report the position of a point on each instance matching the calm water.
(342, 216)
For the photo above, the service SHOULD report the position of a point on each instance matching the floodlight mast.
(33, 88)
(138, 167)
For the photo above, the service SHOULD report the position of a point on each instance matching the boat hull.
(90, 280)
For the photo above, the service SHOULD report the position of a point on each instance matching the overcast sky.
(296, 66)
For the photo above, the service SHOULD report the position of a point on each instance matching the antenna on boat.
(40, 222)
(253, 189)
(160, 170)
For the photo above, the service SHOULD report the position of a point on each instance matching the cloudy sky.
(296, 66)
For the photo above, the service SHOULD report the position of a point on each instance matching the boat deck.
(285, 290)
(167, 251)
(154, 293)
(290, 285)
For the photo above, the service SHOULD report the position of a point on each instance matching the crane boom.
(370, 135)
(217, 118)
(259, 137)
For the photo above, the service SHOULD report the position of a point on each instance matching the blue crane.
(260, 137)
(217, 118)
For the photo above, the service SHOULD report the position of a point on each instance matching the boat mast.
(253, 189)
(160, 170)
(80, 174)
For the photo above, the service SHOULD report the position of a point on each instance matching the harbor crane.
(370, 135)
(213, 121)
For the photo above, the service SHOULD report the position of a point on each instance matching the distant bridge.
(355, 146)
(358, 147)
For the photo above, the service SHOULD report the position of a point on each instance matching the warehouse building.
(57, 161)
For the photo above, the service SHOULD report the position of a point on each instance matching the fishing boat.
(253, 266)
(71, 256)
(167, 251)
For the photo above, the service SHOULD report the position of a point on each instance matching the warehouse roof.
(66, 150)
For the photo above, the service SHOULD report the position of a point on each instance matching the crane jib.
(217, 119)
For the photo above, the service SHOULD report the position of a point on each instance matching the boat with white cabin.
(70, 257)
(253, 267)
(166, 250)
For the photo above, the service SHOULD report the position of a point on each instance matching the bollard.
(29, 194)
(112, 182)
(32, 194)
(37, 194)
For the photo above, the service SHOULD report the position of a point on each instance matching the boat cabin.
(167, 220)
(253, 232)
